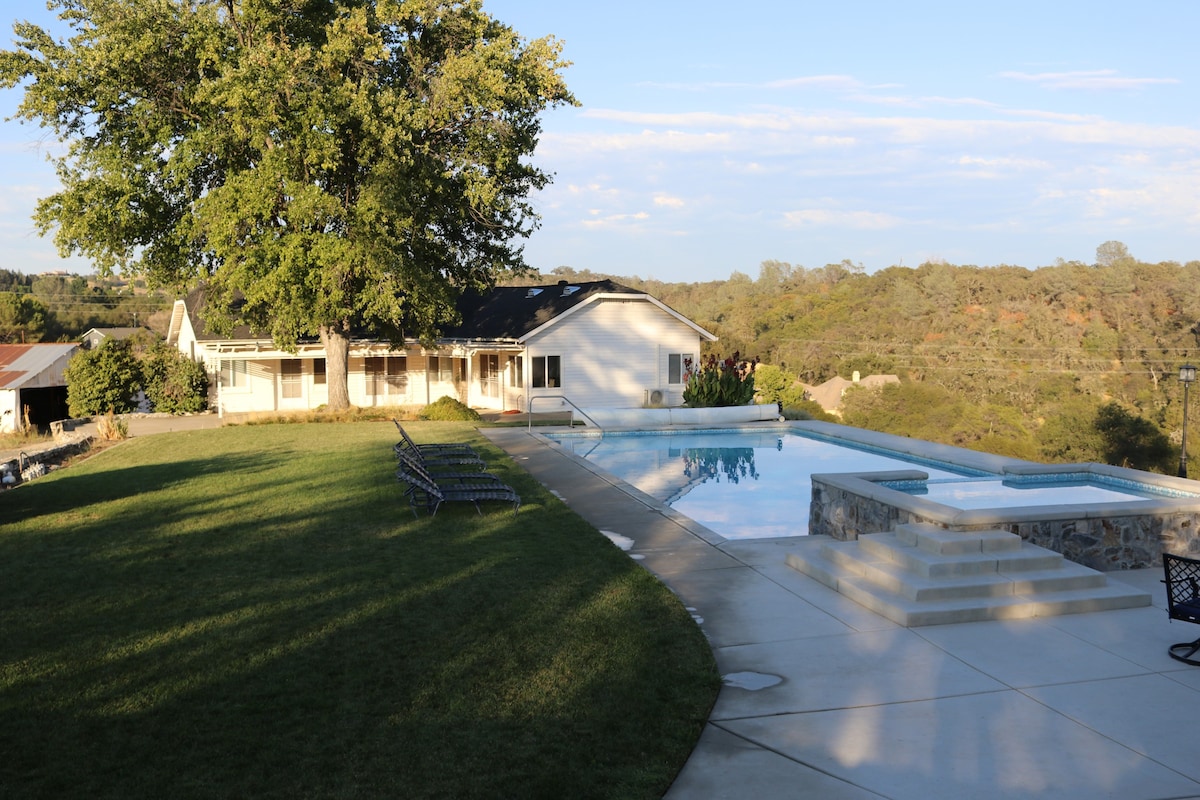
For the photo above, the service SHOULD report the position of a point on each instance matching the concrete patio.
(825, 699)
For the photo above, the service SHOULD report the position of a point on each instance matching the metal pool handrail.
(563, 398)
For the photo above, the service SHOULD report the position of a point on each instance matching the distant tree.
(323, 166)
(1112, 253)
(105, 378)
(772, 275)
(22, 318)
(14, 281)
(1130, 440)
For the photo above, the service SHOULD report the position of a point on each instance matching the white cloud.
(1103, 79)
(1002, 162)
(668, 201)
(614, 220)
(821, 217)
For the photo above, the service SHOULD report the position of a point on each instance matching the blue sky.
(714, 136)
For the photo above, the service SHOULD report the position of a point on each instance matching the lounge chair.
(1182, 577)
(436, 461)
(442, 472)
(423, 491)
(455, 448)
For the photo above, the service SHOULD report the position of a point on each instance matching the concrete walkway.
(824, 699)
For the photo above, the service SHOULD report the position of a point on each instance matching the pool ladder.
(562, 397)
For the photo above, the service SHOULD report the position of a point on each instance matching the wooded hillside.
(1072, 362)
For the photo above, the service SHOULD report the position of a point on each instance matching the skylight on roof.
(533, 292)
(569, 290)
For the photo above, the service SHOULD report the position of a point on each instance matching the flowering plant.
(718, 382)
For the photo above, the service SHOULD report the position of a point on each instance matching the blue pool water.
(999, 494)
(756, 484)
(742, 485)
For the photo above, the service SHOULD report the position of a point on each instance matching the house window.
(547, 372)
(516, 372)
(387, 376)
(318, 371)
(489, 375)
(290, 372)
(233, 374)
(677, 364)
(439, 369)
(397, 375)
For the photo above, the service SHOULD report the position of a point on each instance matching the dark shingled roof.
(511, 312)
(505, 313)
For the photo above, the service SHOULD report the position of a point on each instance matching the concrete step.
(939, 540)
(913, 613)
(919, 575)
(893, 577)
(935, 564)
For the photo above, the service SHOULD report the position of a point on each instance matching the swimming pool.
(741, 484)
(754, 483)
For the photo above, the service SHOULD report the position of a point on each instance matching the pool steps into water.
(920, 574)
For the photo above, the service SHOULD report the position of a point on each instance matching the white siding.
(613, 351)
(10, 410)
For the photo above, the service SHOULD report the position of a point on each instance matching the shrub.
(806, 409)
(771, 382)
(447, 409)
(106, 378)
(174, 383)
(716, 383)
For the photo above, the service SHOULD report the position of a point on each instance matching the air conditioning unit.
(655, 397)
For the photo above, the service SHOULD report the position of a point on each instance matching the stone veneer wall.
(844, 507)
(1108, 543)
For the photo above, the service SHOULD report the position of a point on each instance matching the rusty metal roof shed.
(22, 363)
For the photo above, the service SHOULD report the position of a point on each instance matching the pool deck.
(825, 699)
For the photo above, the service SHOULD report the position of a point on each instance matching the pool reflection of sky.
(752, 485)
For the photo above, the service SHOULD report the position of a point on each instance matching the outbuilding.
(33, 384)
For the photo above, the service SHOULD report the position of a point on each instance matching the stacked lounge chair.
(423, 469)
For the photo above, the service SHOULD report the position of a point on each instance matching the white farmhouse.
(594, 344)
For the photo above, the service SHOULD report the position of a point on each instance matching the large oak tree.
(323, 166)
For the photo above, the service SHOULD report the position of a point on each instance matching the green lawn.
(253, 611)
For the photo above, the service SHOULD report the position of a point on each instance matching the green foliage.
(173, 383)
(109, 377)
(926, 411)
(105, 378)
(22, 319)
(321, 166)
(806, 409)
(447, 409)
(1130, 440)
(719, 382)
(772, 382)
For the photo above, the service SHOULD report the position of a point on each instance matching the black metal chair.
(424, 491)
(1183, 601)
(436, 449)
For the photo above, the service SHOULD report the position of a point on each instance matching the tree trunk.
(337, 357)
